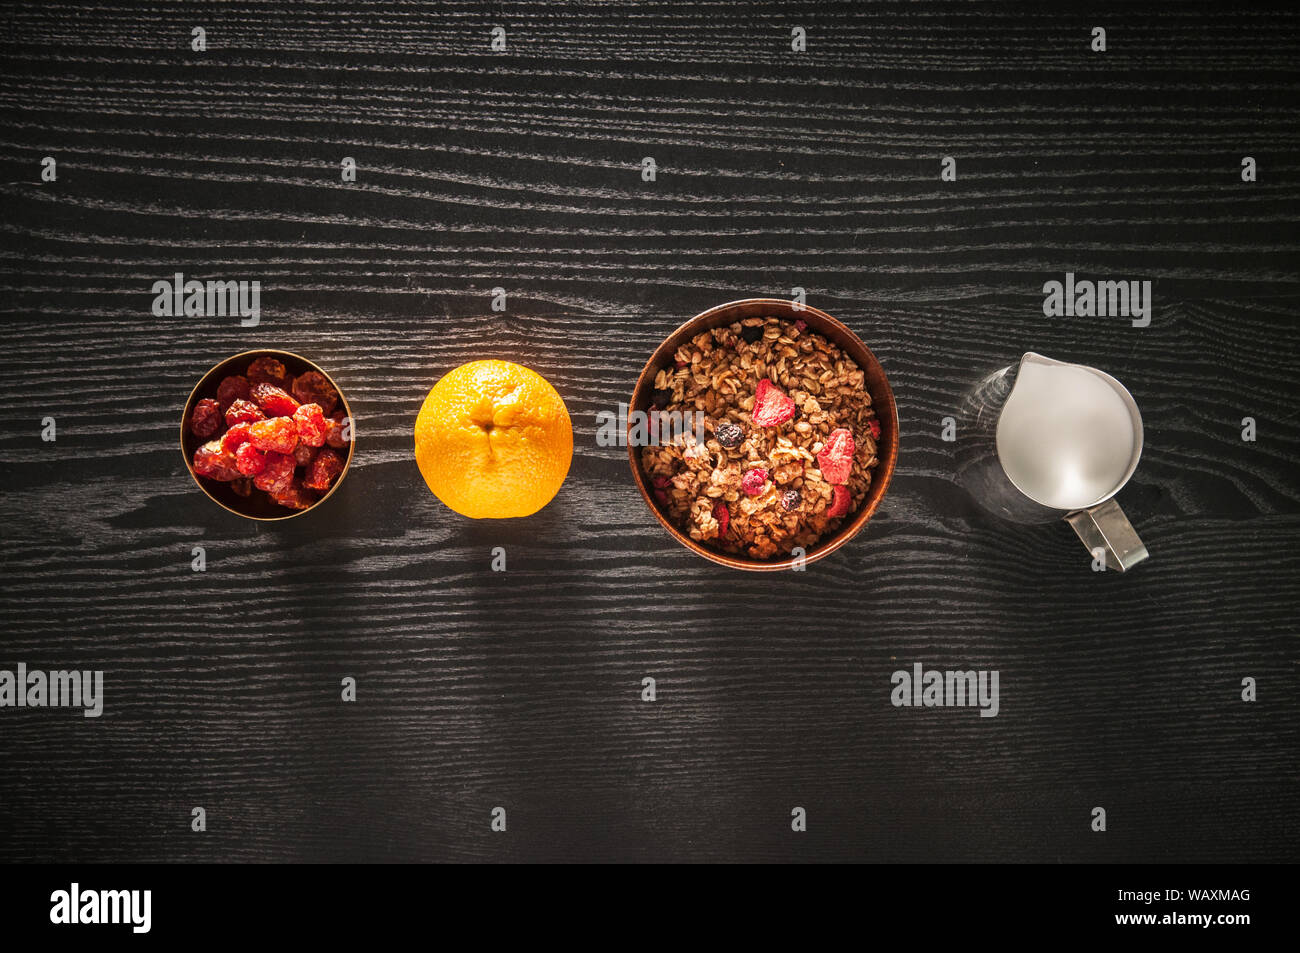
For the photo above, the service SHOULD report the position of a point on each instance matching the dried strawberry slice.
(275, 401)
(231, 389)
(836, 458)
(840, 501)
(214, 463)
(310, 421)
(314, 388)
(723, 516)
(771, 406)
(277, 435)
(243, 411)
(323, 470)
(205, 419)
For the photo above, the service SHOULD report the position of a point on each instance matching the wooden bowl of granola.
(762, 434)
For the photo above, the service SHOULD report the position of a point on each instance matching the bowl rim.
(888, 460)
(274, 352)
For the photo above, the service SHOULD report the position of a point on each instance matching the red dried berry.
(836, 458)
(771, 406)
(323, 470)
(303, 454)
(277, 474)
(314, 388)
(235, 436)
(874, 426)
(275, 401)
(334, 431)
(242, 487)
(250, 460)
(243, 411)
(723, 516)
(214, 463)
(680, 364)
(840, 501)
(267, 370)
(277, 435)
(801, 325)
(231, 389)
(753, 481)
(293, 496)
(205, 419)
(311, 425)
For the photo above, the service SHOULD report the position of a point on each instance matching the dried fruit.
(729, 435)
(771, 406)
(250, 460)
(243, 411)
(323, 470)
(840, 500)
(790, 500)
(205, 419)
(235, 436)
(753, 481)
(231, 389)
(310, 422)
(723, 516)
(277, 435)
(275, 401)
(874, 426)
(334, 430)
(801, 325)
(293, 496)
(303, 454)
(836, 458)
(277, 474)
(267, 370)
(214, 463)
(242, 487)
(315, 388)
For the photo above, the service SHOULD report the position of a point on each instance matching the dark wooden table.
(522, 170)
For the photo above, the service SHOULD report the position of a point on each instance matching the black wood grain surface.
(522, 170)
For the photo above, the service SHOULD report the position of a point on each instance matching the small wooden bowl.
(882, 401)
(258, 506)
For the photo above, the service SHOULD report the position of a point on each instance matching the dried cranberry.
(303, 454)
(250, 460)
(310, 422)
(243, 411)
(277, 474)
(277, 435)
(235, 436)
(314, 388)
(214, 463)
(205, 419)
(275, 401)
(323, 470)
(267, 370)
(231, 389)
(874, 426)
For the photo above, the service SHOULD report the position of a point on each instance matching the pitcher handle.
(1105, 526)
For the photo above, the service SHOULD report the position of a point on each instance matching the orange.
(493, 440)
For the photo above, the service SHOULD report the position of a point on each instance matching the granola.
(787, 444)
